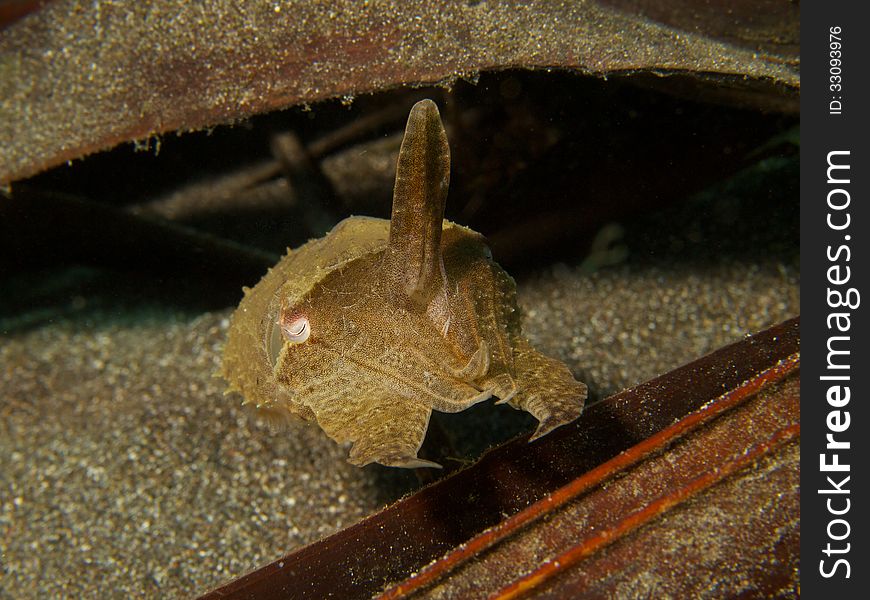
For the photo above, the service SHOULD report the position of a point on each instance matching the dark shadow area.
(540, 163)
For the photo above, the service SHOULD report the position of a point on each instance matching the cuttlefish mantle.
(369, 329)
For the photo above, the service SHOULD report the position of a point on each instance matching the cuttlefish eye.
(296, 330)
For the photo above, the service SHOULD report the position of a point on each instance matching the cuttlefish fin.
(414, 261)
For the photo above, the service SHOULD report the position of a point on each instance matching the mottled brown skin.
(370, 328)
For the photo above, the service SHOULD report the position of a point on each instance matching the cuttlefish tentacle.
(413, 257)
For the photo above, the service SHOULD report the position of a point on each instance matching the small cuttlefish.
(370, 328)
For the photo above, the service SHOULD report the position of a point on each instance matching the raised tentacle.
(413, 258)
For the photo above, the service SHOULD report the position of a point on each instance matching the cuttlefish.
(370, 328)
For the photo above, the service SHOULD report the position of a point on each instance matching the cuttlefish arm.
(389, 432)
(548, 390)
(413, 258)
